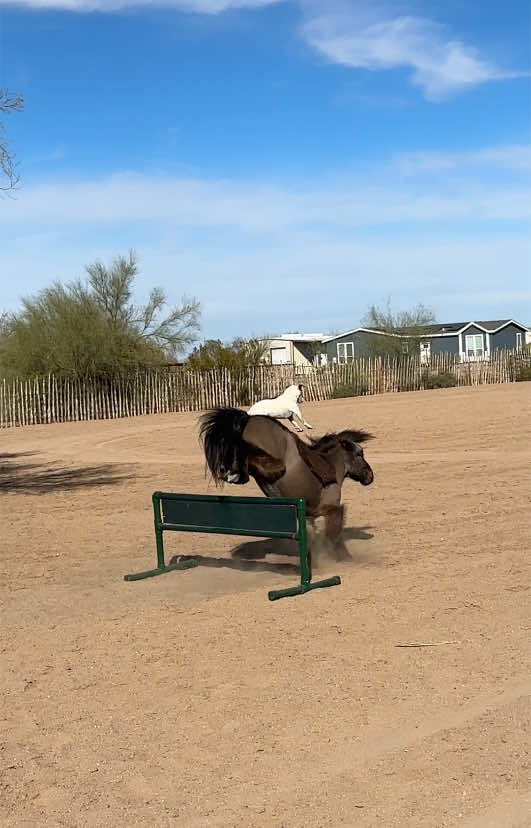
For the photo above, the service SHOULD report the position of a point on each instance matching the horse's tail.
(220, 432)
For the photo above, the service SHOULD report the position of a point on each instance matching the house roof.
(302, 337)
(442, 327)
(356, 330)
(449, 328)
(437, 329)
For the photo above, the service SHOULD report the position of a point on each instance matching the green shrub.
(242, 397)
(443, 380)
(523, 374)
(349, 389)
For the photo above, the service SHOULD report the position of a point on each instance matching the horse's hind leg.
(334, 520)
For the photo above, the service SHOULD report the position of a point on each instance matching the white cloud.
(326, 250)
(368, 39)
(512, 157)
(358, 34)
(199, 6)
(298, 281)
(257, 208)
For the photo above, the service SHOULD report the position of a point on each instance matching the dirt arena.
(191, 700)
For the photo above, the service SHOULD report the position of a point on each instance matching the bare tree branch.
(113, 290)
(407, 325)
(8, 164)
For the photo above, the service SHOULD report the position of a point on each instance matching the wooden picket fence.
(54, 399)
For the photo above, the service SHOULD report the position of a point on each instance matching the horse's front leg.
(334, 520)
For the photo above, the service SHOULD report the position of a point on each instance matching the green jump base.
(152, 573)
(275, 594)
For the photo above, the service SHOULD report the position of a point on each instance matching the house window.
(345, 351)
(279, 356)
(425, 352)
(474, 346)
(518, 341)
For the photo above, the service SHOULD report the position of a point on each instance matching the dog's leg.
(297, 412)
(291, 418)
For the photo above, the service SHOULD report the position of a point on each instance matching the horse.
(238, 446)
(283, 407)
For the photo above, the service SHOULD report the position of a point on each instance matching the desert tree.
(95, 327)
(404, 326)
(240, 353)
(169, 330)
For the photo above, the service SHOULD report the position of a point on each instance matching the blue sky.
(287, 163)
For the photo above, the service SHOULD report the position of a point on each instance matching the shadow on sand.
(18, 475)
(250, 556)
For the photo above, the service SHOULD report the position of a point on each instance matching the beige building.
(297, 349)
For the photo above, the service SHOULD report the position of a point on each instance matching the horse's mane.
(332, 438)
(219, 431)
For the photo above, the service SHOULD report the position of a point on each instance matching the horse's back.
(298, 480)
(267, 435)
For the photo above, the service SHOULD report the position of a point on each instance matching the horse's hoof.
(343, 555)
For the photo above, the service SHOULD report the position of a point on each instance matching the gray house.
(467, 340)
(472, 340)
(358, 342)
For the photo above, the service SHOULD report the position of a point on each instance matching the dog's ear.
(301, 387)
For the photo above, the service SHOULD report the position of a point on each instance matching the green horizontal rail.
(214, 530)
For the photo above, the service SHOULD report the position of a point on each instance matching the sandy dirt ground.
(191, 700)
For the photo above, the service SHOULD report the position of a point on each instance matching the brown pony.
(238, 446)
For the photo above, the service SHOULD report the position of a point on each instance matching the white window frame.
(283, 348)
(425, 351)
(342, 352)
(477, 353)
(519, 340)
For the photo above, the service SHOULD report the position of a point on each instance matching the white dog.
(283, 407)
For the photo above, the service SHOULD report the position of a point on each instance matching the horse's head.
(233, 466)
(356, 467)
(225, 451)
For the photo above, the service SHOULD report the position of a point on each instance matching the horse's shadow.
(241, 564)
(250, 556)
(253, 550)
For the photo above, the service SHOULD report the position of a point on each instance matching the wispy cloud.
(199, 6)
(511, 157)
(356, 33)
(412, 235)
(362, 37)
(298, 281)
(260, 207)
